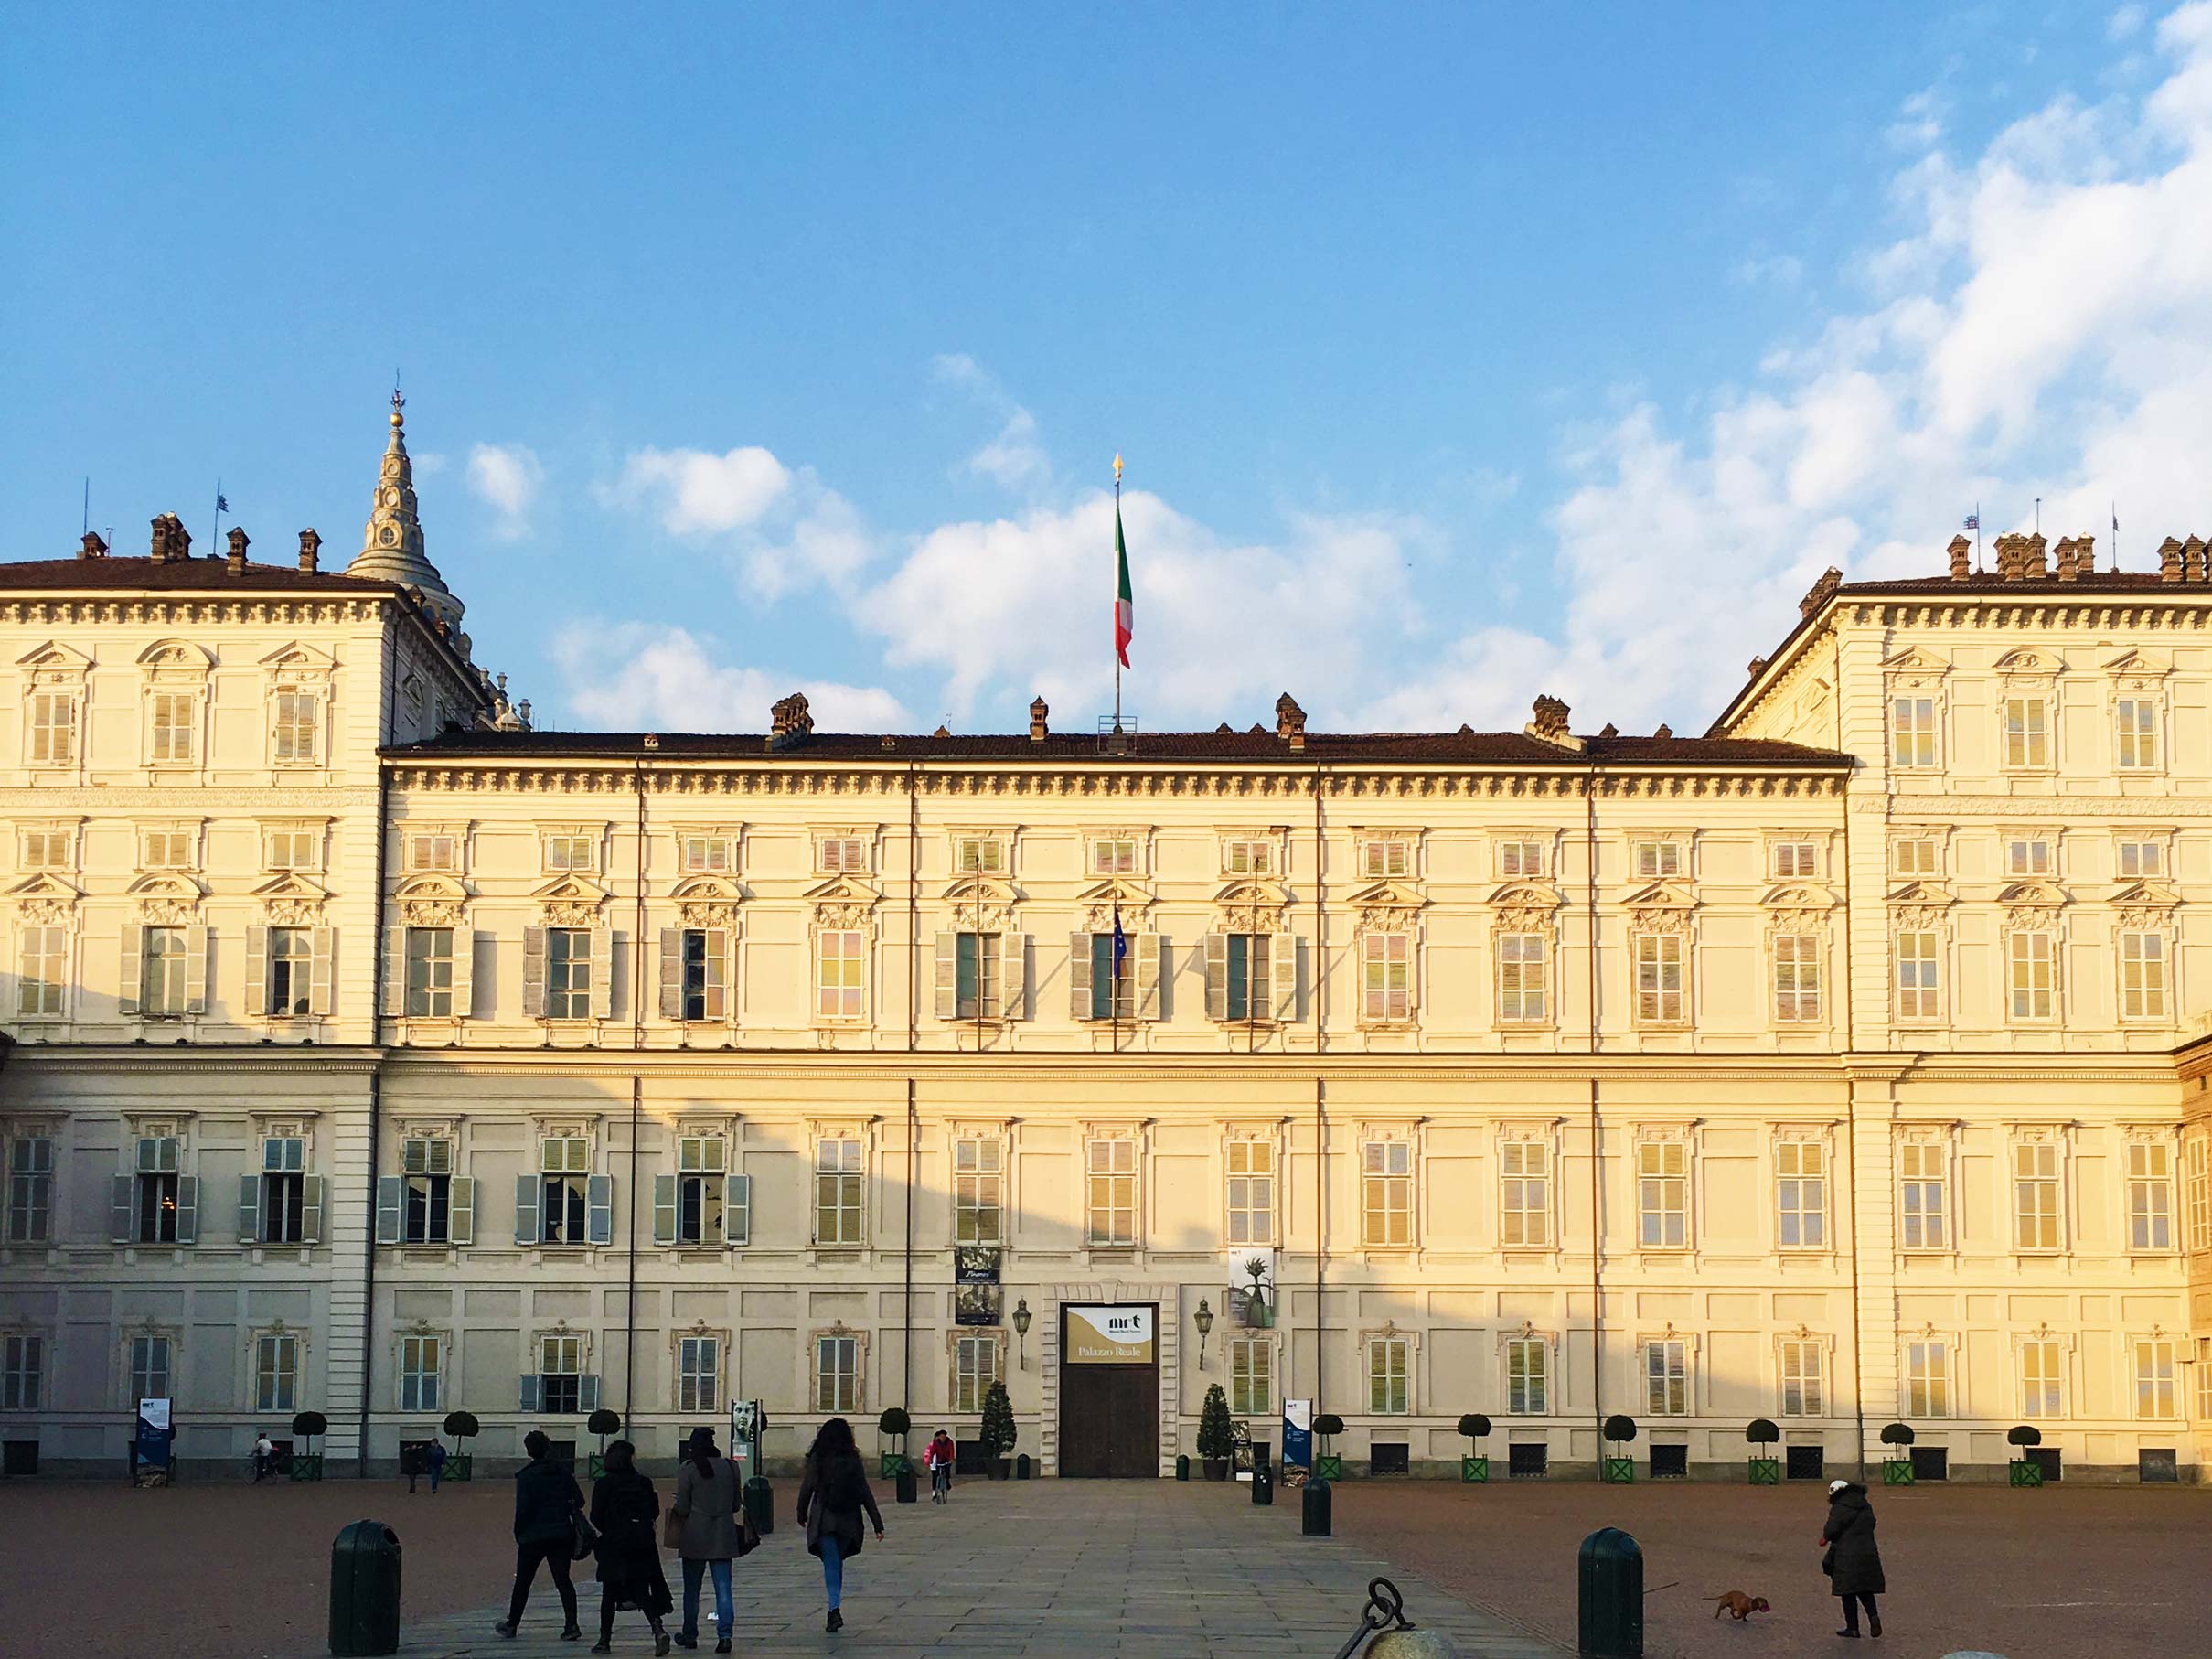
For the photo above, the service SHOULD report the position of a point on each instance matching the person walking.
(706, 1508)
(547, 1500)
(433, 1460)
(1853, 1563)
(264, 1457)
(937, 1458)
(624, 1507)
(411, 1464)
(833, 1494)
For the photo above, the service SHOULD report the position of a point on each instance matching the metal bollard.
(1313, 1520)
(1610, 1596)
(1183, 1466)
(1263, 1481)
(365, 1589)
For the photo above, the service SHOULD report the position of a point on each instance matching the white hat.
(1836, 1486)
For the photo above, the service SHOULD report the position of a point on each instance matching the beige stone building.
(381, 1056)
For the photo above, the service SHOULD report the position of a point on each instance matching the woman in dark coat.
(1854, 1565)
(624, 1508)
(546, 1501)
(833, 1494)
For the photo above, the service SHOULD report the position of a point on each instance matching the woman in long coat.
(625, 1508)
(833, 1494)
(1853, 1563)
(707, 1504)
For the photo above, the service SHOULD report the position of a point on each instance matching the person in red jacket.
(937, 1458)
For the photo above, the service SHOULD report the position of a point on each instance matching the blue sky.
(1457, 353)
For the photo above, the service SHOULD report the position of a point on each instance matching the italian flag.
(1125, 609)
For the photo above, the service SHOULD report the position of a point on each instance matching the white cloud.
(639, 676)
(2124, 23)
(785, 528)
(1784, 270)
(700, 494)
(507, 477)
(1015, 459)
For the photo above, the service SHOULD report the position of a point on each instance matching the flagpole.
(1117, 595)
(1977, 538)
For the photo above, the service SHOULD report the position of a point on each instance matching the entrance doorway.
(1109, 1394)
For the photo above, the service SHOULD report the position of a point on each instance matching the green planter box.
(1896, 1472)
(1766, 1471)
(2027, 1475)
(594, 1465)
(1474, 1472)
(1328, 1466)
(308, 1466)
(1617, 1471)
(461, 1466)
(894, 1464)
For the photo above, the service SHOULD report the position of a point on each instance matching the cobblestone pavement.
(1097, 1569)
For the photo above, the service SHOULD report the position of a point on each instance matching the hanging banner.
(1110, 1336)
(1298, 1433)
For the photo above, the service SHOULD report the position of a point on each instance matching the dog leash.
(1657, 1588)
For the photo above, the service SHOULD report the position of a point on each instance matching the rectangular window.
(1801, 1194)
(1791, 860)
(2143, 976)
(2138, 722)
(564, 1163)
(1918, 984)
(706, 854)
(2033, 973)
(706, 994)
(276, 1374)
(1659, 981)
(974, 1369)
(2026, 731)
(2139, 859)
(1916, 857)
(160, 1189)
(53, 729)
(1927, 1378)
(839, 962)
(1524, 1210)
(976, 975)
(432, 851)
(1251, 1165)
(2203, 1380)
(31, 1190)
(837, 1373)
(166, 849)
(2036, 1195)
(1386, 961)
(836, 1193)
(569, 853)
(1912, 732)
(1802, 1395)
(1666, 1373)
(1250, 977)
(2150, 1196)
(295, 723)
(1923, 1199)
(40, 971)
(173, 724)
(1115, 857)
(702, 1162)
(699, 1374)
(1528, 1391)
(291, 972)
(427, 1167)
(430, 973)
(1389, 1390)
(1247, 857)
(48, 848)
(1657, 861)
(421, 1363)
(2027, 856)
(1521, 861)
(1384, 860)
(1523, 994)
(291, 849)
(1110, 1167)
(568, 973)
(1663, 1195)
(1386, 1193)
(2154, 1395)
(1797, 979)
(150, 1368)
(1113, 983)
(284, 1196)
(978, 1191)
(161, 989)
(2041, 1380)
(980, 855)
(560, 1376)
(1251, 1376)
(22, 1373)
(2197, 1171)
(841, 855)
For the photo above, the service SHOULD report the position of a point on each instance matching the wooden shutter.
(529, 1394)
(587, 1392)
(460, 1210)
(324, 943)
(720, 974)
(249, 1209)
(311, 1209)
(196, 970)
(257, 972)
(533, 973)
(133, 969)
(1014, 992)
(664, 1209)
(948, 976)
(603, 973)
(464, 972)
(671, 973)
(122, 1218)
(526, 1209)
(737, 1209)
(1282, 963)
(1079, 976)
(1217, 976)
(188, 1209)
(392, 1204)
(599, 1209)
(394, 993)
(1151, 969)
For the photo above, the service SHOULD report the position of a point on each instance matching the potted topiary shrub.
(461, 1425)
(895, 1425)
(1766, 1468)
(602, 1423)
(2025, 1470)
(1216, 1437)
(1474, 1468)
(1618, 1469)
(998, 1433)
(1898, 1470)
(308, 1425)
(1327, 1464)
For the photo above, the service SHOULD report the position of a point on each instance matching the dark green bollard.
(1609, 1593)
(1022, 1467)
(1263, 1481)
(1183, 1466)
(1313, 1519)
(760, 1505)
(365, 1590)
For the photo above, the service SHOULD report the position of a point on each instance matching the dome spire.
(391, 544)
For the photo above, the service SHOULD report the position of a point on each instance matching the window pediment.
(1252, 906)
(291, 885)
(1916, 662)
(1662, 895)
(2137, 671)
(176, 656)
(842, 902)
(299, 658)
(1525, 895)
(708, 901)
(45, 887)
(432, 901)
(1387, 904)
(1116, 893)
(166, 884)
(1921, 893)
(2028, 664)
(570, 890)
(993, 889)
(54, 661)
(1799, 895)
(2033, 894)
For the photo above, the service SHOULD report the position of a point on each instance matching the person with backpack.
(624, 1509)
(833, 1496)
(708, 1535)
(547, 1500)
(937, 1457)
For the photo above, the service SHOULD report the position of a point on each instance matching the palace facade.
(378, 1054)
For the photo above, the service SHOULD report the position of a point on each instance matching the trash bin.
(1263, 1481)
(1022, 1467)
(365, 1590)
(903, 1483)
(1183, 1466)
(1610, 1596)
(760, 1505)
(1313, 1518)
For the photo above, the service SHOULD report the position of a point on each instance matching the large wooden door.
(1109, 1422)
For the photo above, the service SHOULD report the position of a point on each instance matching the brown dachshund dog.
(1742, 1606)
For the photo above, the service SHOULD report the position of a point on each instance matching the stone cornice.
(195, 611)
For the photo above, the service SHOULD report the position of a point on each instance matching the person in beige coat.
(706, 1509)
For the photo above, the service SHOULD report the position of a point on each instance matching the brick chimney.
(1290, 721)
(2169, 560)
(1817, 595)
(171, 539)
(1960, 548)
(2085, 556)
(2007, 549)
(311, 547)
(2032, 563)
(1550, 724)
(789, 723)
(1039, 731)
(2192, 560)
(2064, 553)
(94, 548)
(236, 558)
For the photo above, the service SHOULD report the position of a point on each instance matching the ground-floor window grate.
(1805, 1462)
(1527, 1462)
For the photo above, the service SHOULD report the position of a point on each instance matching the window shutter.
(318, 996)
(603, 973)
(249, 1209)
(526, 1209)
(311, 1209)
(1014, 998)
(1282, 963)
(188, 1209)
(587, 1392)
(671, 973)
(196, 970)
(1151, 969)
(948, 976)
(737, 1209)
(599, 1209)
(664, 1209)
(392, 1200)
(257, 972)
(1079, 976)
(460, 1210)
(529, 1394)
(123, 1220)
(133, 970)
(533, 973)
(720, 974)
(393, 995)
(1217, 976)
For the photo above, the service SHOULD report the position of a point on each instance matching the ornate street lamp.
(1204, 1319)
(1021, 1330)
